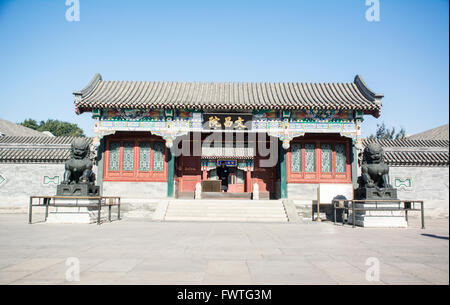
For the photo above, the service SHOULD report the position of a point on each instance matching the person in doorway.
(223, 172)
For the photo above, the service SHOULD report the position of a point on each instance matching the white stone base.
(75, 215)
(379, 219)
(381, 222)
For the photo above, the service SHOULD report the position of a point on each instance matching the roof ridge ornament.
(96, 79)
(368, 93)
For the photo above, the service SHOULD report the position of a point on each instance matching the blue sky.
(44, 58)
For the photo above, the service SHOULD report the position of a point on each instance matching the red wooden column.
(204, 173)
(249, 180)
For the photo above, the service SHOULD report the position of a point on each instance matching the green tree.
(57, 128)
(386, 133)
(30, 123)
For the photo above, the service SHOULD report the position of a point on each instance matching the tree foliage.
(386, 133)
(57, 128)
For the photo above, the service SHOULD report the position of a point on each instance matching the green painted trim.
(262, 111)
(96, 113)
(283, 178)
(170, 174)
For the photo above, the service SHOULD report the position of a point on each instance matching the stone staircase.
(226, 211)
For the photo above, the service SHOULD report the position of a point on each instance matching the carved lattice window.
(128, 156)
(144, 156)
(316, 160)
(135, 160)
(158, 157)
(310, 158)
(296, 158)
(326, 160)
(114, 156)
(340, 158)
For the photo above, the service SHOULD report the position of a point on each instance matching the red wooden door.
(191, 173)
(264, 177)
(236, 180)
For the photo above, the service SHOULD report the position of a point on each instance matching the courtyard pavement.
(143, 252)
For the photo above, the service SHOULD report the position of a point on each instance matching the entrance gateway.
(160, 139)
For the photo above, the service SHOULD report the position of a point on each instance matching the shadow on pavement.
(436, 236)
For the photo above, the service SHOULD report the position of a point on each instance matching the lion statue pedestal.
(374, 185)
(79, 181)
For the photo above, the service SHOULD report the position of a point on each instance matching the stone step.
(214, 206)
(197, 208)
(218, 210)
(235, 212)
(232, 209)
(224, 196)
(226, 203)
(224, 214)
(225, 219)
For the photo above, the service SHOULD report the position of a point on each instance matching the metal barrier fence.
(346, 205)
(102, 201)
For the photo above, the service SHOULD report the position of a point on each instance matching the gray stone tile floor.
(144, 252)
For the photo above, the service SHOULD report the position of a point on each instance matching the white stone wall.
(138, 190)
(307, 192)
(429, 184)
(138, 199)
(304, 196)
(25, 180)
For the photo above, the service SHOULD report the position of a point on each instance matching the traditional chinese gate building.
(159, 139)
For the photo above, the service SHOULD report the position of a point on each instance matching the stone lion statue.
(374, 172)
(78, 169)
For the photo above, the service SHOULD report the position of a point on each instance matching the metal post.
(46, 202)
(109, 212)
(353, 214)
(334, 208)
(99, 209)
(343, 213)
(422, 215)
(30, 211)
(118, 212)
(318, 205)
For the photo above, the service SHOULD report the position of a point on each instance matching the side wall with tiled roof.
(419, 169)
(31, 166)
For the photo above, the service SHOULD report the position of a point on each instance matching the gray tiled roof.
(406, 152)
(417, 158)
(35, 149)
(407, 142)
(438, 133)
(37, 140)
(194, 95)
(8, 128)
